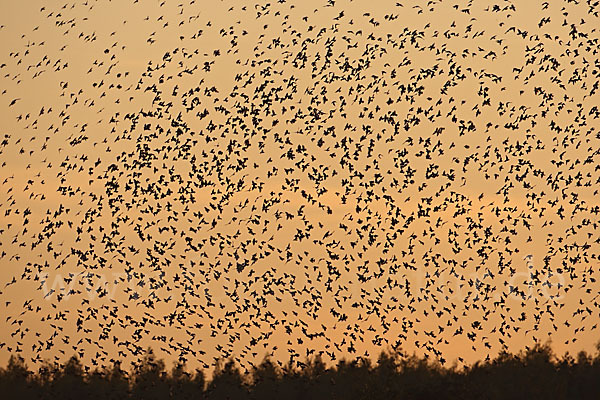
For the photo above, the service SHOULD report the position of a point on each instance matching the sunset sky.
(297, 178)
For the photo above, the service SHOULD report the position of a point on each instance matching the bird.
(322, 182)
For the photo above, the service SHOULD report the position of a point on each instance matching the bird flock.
(329, 178)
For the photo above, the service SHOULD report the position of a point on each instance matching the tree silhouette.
(227, 383)
(16, 381)
(68, 381)
(150, 380)
(535, 373)
(185, 385)
(266, 381)
(351, 380)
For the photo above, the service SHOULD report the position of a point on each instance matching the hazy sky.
(276, 178)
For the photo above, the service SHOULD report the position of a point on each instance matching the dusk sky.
(297, 178)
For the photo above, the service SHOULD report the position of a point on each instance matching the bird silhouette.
(325, 179)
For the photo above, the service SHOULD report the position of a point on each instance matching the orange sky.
(332, 236)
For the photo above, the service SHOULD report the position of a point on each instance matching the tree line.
(533, 374)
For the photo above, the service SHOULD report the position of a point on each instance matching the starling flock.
(331, 178)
